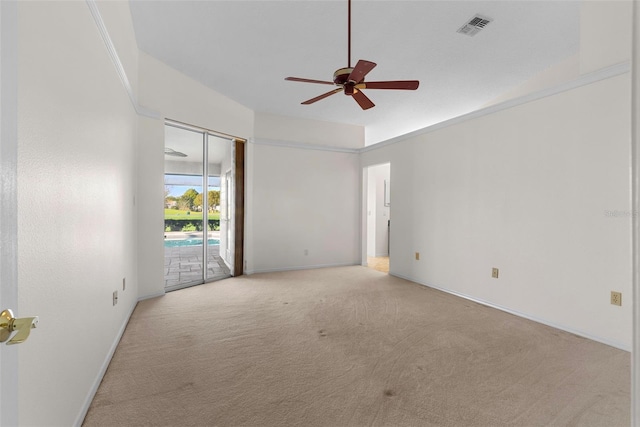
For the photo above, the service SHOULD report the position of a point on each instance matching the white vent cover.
(474, 25)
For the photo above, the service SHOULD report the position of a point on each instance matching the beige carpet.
(351, 347)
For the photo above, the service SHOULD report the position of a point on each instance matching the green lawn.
(177, 214)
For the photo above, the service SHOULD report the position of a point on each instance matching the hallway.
(380, 263)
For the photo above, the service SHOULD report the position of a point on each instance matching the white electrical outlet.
(616, 298)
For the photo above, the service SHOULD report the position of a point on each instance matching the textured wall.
(8, 203)
(77, 134)
(302, 200)
(540, 191)
(306, 131)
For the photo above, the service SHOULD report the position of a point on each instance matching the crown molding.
(302, 145)
(115, 59)
(583, 80)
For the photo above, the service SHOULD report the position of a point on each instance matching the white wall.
(383, 173)
(371, 210)
(150, 207)
(557, 74)
(377, 212)
(77, 135)
(528, 190)
(302, 203)
(605, 33)
(8, 203)
(178, 97)
(307, 131)
(303, 200)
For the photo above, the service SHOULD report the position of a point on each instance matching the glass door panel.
(183, 210)
(194, 199)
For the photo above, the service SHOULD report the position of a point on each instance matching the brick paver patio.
(183, 265)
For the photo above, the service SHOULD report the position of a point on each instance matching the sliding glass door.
(219, 155)
(192, 206)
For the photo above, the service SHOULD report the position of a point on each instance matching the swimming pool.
(188, 242)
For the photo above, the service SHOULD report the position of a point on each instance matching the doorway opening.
(203, 217)
(378, 216)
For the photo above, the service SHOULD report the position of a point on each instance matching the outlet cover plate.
(616, 298)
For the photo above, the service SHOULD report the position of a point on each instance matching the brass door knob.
(9, 324)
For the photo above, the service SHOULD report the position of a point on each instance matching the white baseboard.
(303, 267)
(103, 368)
(523, 315)
(157, 294)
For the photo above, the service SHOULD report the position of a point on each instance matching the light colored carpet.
(351, 347)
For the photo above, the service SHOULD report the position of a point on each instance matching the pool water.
(189, 242)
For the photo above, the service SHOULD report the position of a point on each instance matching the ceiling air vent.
(474, 25)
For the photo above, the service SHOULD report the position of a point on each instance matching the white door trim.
(635, 205)
(8, 202)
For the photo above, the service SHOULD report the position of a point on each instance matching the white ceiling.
(245, 49)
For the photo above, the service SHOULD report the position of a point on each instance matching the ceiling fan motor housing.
(341, 76)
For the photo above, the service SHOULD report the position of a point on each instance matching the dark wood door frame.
(238, 235)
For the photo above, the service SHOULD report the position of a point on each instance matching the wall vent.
(474, 25)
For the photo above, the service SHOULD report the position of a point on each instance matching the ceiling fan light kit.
(351, 80)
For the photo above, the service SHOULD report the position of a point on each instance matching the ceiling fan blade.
(323, 96)
(362, 100)
(361, 69)
(396, 84)
(298, 79)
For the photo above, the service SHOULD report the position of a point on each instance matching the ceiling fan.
(351, 80)
(171, 152)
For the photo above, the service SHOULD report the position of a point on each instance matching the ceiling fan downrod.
(349, 37)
